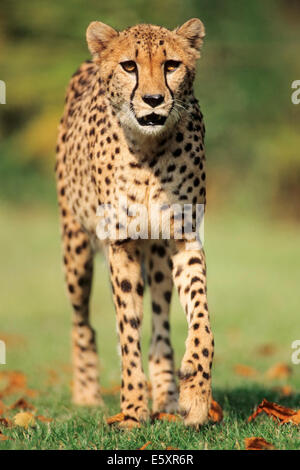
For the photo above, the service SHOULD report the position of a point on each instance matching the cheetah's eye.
(171, 65)
(129, 66)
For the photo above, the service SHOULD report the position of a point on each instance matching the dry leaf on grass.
(245, 371)
(295, 419)
(172, 448)
(279, 371)
(22, 404)
(3, 437)
(118, 418)
(145, 445)
(257, 443)
(16, 381)
(277, 412)
(24, 419)
(215, 413)
(166, 417)
(6, 422)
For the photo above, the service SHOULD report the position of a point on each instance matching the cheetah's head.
(148, 71)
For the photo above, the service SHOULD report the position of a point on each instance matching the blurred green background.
(250, 59)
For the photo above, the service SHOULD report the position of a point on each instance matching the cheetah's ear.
(98, 35)
(194, 31)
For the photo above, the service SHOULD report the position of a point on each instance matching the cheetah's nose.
(153, 100)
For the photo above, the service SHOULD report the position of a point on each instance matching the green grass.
(253, 280)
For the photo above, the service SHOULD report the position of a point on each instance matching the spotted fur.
(109, 147)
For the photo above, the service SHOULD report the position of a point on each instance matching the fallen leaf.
(277, 412)
(44, 419)
(279, 371)
(294, 419)
(172, 448)
(22, 404)
(120, 418)
(6, 422)
(215, 412)
(257, 443)
(3, 437)
(24, 419)
(115, 419)
(166, 417)
(145, 445)
(245, 371)
(266, 350)
(16, 381)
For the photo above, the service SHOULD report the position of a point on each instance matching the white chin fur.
(128, 120)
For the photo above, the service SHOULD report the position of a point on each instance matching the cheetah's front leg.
(127, 285)
(161, 363)
(189, 274)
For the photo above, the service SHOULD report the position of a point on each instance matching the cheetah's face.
(148, 71)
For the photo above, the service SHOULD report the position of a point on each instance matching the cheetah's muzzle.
(152, 120)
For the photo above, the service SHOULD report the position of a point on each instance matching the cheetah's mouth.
(152, 120)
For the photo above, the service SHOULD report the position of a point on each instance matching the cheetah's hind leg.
(78, 264)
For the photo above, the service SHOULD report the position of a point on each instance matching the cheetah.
(132, 128)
